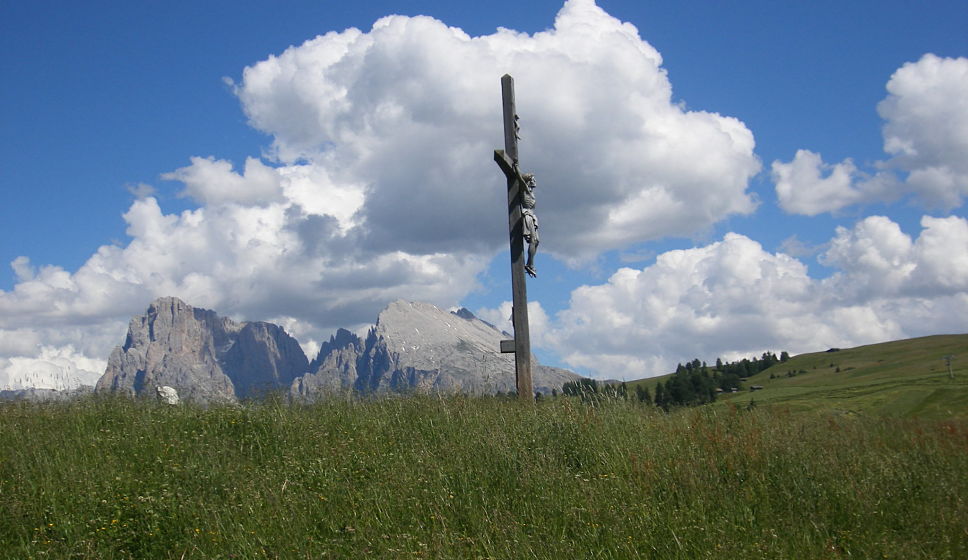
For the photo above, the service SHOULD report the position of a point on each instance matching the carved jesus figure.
(530, 221)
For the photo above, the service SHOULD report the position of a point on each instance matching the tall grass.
(474, 478)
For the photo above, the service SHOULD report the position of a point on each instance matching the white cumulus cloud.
(410, 111)
(802, 190)
(733, 299)
(926, 129)
(211, 182)
(925, 133)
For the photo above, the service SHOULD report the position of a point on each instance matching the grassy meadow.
(475, 478)
(901, 379)
(904, 378)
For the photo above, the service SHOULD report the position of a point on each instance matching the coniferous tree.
(660, 397)
(642, 393)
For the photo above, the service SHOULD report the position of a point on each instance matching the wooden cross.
(507, 159)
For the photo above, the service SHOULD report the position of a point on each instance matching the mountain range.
(413, 347)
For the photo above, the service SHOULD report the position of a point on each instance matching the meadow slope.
(904, 378)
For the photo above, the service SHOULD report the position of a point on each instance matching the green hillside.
(904, 378)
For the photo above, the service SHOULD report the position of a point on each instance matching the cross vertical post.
(507, 159)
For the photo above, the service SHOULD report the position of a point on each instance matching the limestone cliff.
(206, 358)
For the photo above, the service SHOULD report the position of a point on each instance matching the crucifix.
(523, 225)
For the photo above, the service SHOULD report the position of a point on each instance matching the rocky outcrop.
(419, 347)
(333, 370)
(263, 359)
(167, 395)
(206, 358)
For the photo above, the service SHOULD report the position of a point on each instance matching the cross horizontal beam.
(507, 165)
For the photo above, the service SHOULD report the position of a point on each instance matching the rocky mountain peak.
(417, 346)
(205, 357)
(464, 313)
(412, 347)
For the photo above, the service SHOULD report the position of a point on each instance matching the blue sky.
(102, 103)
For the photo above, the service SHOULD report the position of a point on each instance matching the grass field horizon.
(475, 477)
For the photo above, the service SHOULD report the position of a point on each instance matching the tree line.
(693, 383)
